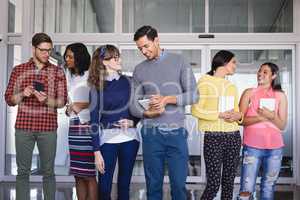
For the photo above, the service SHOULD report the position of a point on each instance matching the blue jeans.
(253, 158)
(125, 153)
(160, 146)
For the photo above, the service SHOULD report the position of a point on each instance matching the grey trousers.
(46, 143)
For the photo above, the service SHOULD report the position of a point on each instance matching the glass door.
(195, 56)
(250, 58)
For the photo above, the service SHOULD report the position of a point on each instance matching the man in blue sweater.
(169, 84)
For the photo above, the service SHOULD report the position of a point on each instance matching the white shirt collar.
(113, 76)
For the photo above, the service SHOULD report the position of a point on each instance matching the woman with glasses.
(265, 109)
(82, 164)
(114, 136)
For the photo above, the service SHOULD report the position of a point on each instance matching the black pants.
(221, 155)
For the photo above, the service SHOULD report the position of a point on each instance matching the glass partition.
(130, 58)
(15, 10)
(253, 16)
(74, 16)
(248, 62)
(167, 16)
(13, 59)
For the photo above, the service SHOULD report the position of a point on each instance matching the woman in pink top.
(265, 116)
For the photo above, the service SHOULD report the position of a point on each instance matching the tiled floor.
(66, 191)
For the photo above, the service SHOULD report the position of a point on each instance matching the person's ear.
(274, 76)
(156, 41)
(33, 50)
(105, 62)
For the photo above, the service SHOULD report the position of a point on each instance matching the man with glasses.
(168, 83)
(38, 88)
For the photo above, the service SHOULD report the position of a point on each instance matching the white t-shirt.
(78, 91)
(117, 135)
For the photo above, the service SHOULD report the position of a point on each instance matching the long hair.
(219, 60)
(82, 58)
(276, 83)
(98, 71)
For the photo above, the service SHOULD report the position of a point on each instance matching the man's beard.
(41, 61)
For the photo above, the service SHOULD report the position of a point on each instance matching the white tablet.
(144, 103)
(226, 103)
(267, 103)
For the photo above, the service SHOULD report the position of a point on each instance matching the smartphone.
(38, 86)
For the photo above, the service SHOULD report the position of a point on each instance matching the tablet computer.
(144, 103)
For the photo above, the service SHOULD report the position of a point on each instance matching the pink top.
(262, 135)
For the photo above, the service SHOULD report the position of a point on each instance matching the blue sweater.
(109, 106)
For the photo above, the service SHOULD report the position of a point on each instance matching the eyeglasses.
(45, 50)
(115, 57)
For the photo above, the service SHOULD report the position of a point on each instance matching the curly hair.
(98, 71)
(82, 58)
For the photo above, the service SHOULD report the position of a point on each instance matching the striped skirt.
(82, 161)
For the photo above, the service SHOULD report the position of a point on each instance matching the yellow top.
(211, 90)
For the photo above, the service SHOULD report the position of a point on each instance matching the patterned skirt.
(82, 161)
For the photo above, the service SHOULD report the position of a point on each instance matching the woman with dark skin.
(82, 165)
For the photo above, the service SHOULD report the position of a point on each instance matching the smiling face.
(265, 76)
(113, 64)
(149, 48)
(231, 66)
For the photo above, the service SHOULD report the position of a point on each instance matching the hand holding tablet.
(144, 103)
(268, 103)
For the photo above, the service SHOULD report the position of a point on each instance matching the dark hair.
(82, 58)
(39, 38)
(276, 83)
(147, 30)
(220, 59)
(98, 71)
